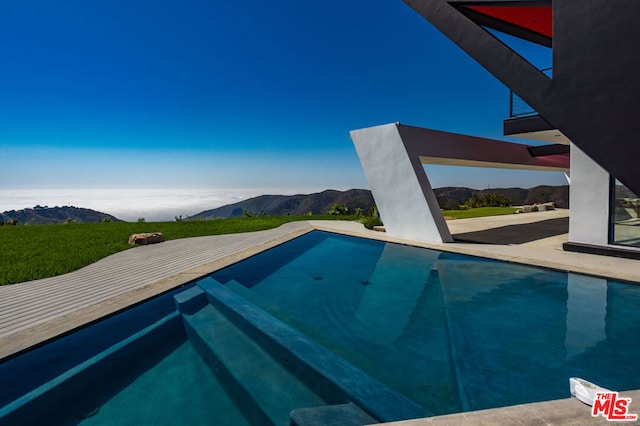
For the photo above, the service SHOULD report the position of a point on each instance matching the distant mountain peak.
(294, 205)
(45, 215)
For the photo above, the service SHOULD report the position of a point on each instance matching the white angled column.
(405, 200)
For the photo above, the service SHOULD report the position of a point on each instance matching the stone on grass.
(146, 238)
(529, 209)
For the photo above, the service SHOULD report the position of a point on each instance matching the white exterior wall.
(404, 197)
(588, 200)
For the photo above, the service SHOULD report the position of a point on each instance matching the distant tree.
(474, 202)
(489, 200)
(494, 200)
(338, 210)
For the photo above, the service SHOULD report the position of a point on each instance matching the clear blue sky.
(226, 94)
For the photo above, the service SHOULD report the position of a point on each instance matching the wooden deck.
(36, 311)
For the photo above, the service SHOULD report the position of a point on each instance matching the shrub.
(370, 221)
(372, 218)
(451, 205)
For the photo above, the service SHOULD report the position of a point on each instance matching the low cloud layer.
(131, 204)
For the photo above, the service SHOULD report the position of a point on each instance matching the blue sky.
(237, 96)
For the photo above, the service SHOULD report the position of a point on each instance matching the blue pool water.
(134, 368)
(179, 390)
(452, 332)
(412, 331)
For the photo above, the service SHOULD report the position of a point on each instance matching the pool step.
(75, 394)
(335, 380)
(254, 377)
(342, 414)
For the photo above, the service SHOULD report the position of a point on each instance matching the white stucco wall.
(588, 200)
(403, 194)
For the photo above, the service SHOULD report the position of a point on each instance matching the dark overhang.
(544, 150)
(531, 123)
(592, 98)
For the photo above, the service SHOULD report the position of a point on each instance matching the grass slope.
(40, 251)
(478, 212)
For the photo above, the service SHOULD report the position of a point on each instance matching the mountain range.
(293, 205)
(449, 197)
(320, 203)
(301, 204)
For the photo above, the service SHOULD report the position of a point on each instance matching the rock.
(549, 206)
(537, 208)
(146, 238)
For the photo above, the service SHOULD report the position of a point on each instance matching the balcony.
(525, 122)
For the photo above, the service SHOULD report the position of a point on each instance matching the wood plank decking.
(35, 311)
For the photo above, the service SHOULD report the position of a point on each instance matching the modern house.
(584, 109)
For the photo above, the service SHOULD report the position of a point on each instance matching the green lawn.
(478, 212)
(30, 252)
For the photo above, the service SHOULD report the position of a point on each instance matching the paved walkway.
(36, 311)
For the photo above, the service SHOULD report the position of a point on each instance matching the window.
(624, 216)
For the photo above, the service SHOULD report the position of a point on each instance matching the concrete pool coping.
(34, 312)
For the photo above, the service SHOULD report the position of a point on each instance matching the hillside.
(301, 204)
(320, 203)
(51, 215)
(294, 205)
(448, 197)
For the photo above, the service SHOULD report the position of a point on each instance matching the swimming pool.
(136, 367)
(334, 325)
(451, 332)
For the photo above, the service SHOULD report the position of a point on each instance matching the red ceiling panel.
(533, 18)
